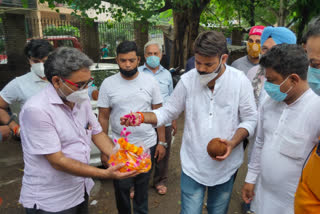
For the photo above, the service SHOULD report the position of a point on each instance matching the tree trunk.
(141, 37)
(252, 21)
(186, 25)
(281, 14)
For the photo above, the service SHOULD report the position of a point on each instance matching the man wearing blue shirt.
(153, 55)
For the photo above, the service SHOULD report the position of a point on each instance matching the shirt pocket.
(292, 144)
(164, 87)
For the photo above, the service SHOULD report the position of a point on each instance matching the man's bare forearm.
(104, 124)
(239, 136)
(5, 118)
(161, 133)
(150, 118)
(71, 166)
(103, 142)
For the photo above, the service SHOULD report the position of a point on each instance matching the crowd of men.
(270, 97)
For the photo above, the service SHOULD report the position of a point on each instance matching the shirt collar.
(36, 78)
(145, 68)
(301, 98)
(53, 96)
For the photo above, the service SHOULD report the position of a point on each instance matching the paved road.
(11, 171)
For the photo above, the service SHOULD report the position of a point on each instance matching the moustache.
(202, 73)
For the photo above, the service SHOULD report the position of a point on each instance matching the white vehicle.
(109, 70)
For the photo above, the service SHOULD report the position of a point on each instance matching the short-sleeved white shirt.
(22, 88)
(125, 96)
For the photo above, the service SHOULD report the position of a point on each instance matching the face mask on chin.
(38, 69)
(128, 73)
(78, 96)
(205, 78)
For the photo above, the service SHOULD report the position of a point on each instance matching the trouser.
(141, 186)
(79, 209)
(161, 168)
(192, 195)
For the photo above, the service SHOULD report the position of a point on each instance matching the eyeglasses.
(80, 85)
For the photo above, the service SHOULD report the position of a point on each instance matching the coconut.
(216, 148)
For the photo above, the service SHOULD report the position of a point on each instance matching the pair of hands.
(131, 119)
(159, 155)
(112, 172)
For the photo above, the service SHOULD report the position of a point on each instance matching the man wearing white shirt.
(288, 129)
(20, 89)
(218, 102)
(130, 90)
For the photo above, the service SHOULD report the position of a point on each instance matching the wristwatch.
(163, 144)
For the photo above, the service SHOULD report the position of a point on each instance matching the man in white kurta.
(218, 102)
(288, 129)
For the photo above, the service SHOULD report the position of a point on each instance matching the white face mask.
(38, 69)
(76, 96)
(206, 78)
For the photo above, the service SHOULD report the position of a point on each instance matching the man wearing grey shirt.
(245, 63)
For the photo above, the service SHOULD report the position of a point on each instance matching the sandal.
(161, 189)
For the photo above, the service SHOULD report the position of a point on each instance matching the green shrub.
(61, 30)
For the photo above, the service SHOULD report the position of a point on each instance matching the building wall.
(15, 41)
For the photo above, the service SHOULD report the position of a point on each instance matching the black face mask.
(128, 73)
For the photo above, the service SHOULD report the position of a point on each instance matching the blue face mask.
(153, 61)
(274, 92)
(314, 79)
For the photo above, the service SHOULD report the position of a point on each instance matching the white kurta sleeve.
(247, 108)
(173, 107)
(254, 162)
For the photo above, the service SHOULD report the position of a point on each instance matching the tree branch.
(273, 11)
(264, 21)
(167, 6)
(290, 23)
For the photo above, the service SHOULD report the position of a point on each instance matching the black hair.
(65, 60)
(313, 28)
(210, 43)
(37, 48)
(286, 59)
(126, 47)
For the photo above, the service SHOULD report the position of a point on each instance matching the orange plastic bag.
(134, 157)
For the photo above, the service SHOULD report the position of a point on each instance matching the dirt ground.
(102, 196)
